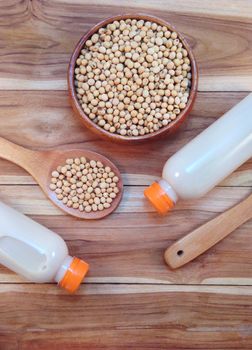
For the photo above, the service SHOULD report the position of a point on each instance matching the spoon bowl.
(41, 164)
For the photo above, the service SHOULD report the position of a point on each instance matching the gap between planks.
(119, 281)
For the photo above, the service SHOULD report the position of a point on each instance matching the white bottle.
(37, 253)
(206, 160)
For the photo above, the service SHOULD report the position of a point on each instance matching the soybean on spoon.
(40, 165)
(207, 235)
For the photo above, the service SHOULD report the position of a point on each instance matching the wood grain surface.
(131, 299)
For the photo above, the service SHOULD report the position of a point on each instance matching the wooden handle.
(19, 155)
(204, 237)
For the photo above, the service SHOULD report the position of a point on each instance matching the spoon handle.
(207, 235)
(21, 156)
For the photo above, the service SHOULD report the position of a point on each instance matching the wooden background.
(131, 300)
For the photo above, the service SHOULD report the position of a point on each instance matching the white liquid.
(30, 249)
(211, 156)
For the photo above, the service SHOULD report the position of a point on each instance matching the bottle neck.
(71, 273)
(63, 268)
(161, 195)
(168, 190)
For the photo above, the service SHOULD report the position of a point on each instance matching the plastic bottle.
(37, 253)
(206, 160)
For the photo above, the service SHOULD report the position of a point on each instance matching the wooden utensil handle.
(204, 237)
(17, 154)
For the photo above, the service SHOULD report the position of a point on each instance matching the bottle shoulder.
(186, 183)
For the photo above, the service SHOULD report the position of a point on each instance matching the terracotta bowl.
(171, 127)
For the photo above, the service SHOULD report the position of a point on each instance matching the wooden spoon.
(207, 235)
(40, 165)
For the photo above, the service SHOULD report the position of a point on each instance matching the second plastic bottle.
(206, 160)
(37, 253)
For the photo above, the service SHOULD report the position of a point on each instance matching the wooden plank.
(221, 8)
(129, 245)
(225, 8)
(105, 289)
(126, 317)
(240, 178)
(48, 121)
(38, 38)
(29, 199)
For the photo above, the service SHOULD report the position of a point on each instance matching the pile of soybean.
(85, 185)
(133, 77)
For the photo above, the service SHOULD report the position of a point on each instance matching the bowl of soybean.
(132, 78)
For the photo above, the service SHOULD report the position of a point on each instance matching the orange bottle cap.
(159, 198)
(74, 275)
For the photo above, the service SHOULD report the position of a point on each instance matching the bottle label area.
(15, 253)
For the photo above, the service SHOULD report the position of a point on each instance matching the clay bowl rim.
(171, 127)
